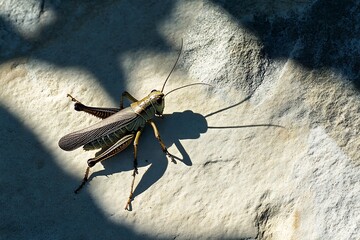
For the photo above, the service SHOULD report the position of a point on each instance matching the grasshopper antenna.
(188, 85)
(173, 66)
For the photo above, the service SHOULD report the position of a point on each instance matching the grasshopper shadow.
(173, 128)
(180, 126)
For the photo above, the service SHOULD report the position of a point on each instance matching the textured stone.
(271, 151)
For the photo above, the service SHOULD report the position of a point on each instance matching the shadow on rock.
(323, 35)
(36, 196)
(92, 36)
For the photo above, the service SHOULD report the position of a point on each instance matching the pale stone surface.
(282, 164)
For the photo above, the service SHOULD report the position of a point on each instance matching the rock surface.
(271, 151)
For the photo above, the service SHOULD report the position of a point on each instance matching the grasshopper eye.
(159, 100)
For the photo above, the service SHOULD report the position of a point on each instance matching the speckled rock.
(271, 151)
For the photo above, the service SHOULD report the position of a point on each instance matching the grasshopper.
(119, 128)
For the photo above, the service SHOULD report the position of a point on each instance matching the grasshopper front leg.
(163, 147)
(128, 96)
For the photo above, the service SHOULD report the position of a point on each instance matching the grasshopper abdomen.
(105, 141)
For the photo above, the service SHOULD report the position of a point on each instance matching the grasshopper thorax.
(152, 104)
(157, 101)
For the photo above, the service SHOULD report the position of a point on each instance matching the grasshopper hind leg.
(85, 179)
(135, 171)
(95, 111)
(119, 146)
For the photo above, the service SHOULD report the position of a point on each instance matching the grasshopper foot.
(135, 172)
(85, 179)
(72, 98)
(128, 203)
(170, 157)
(128, 206)
(81, 185)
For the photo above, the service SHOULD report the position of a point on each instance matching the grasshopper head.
(157, 101)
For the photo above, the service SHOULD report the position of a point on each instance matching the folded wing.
(108, 125)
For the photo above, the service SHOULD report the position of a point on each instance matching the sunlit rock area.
(269, 148)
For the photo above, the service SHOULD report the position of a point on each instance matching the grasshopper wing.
(109, 125)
